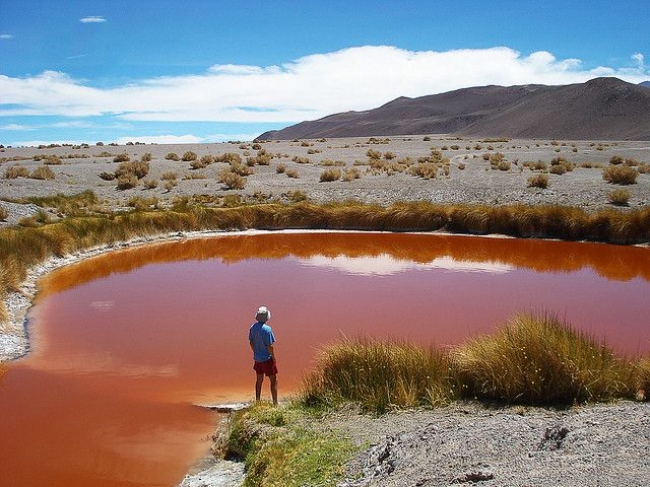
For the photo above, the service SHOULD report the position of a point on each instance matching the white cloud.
(639, 59)
(310, 87)
(16, 127)
(6, 36)
(92, 19)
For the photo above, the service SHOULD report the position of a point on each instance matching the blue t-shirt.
(261, 336)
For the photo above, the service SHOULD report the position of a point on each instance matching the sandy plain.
(471, 178)
(463, 444)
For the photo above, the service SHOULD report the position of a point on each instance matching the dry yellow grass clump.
(531, 360)
(539, 360)
(380, 374)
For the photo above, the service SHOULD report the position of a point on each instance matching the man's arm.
(270, 349)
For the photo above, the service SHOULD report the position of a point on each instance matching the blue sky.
(211, 70)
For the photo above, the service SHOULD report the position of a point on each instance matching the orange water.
(123, 345)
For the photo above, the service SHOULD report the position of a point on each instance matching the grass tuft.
(380, 375)
(620, 174)
(541, 361)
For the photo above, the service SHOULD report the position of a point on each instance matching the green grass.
(282, 448)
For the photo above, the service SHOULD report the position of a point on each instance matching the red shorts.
(267, 368)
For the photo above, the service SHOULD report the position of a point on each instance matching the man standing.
(261, 339)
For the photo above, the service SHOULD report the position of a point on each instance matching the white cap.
(263, 314)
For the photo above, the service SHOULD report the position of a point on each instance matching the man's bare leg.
(274, 389)
(258, 387)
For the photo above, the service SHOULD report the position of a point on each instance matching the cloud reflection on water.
(385, 265)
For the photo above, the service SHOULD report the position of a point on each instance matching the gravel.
(466, 443)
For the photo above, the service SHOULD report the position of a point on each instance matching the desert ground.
(296, 167)
(465, 443)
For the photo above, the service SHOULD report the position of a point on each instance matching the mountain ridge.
(601, 108)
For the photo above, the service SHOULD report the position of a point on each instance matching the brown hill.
(602, 108)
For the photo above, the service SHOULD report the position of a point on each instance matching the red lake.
(125, 345)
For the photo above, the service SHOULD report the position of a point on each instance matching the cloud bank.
(310, 87)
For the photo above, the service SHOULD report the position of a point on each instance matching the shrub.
(350, 174)
(52, 160)
(622, 174)
(172, 156)
(297, 196)
(331, 163)
(559, 170)
(169, 176)
(619, 197)
(538, 181)
(261, 159)
(292, 173)
(146, 157)
(541, 361)
(126, 181)
(281, 168)
(207, 159)
(150, 183)
(231, 179)
(138, 168)
(373, 154)
(107, 176)
(198, 164)
(43, 173)
(123, 157)
(615, 160)
(140, 203)
(425, 170)
(379, 375)
(16, 171)
(559, 165)
(189, 156)
(4, 213)
(241, 169)
(229, 157)
(329, 175)
(643, 168)
(301, 160)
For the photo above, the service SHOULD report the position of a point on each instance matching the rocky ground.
(463, 444)
(469, 444)
(296, 166)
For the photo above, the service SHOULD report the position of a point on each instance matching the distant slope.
(645, 83)
(603, 108)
